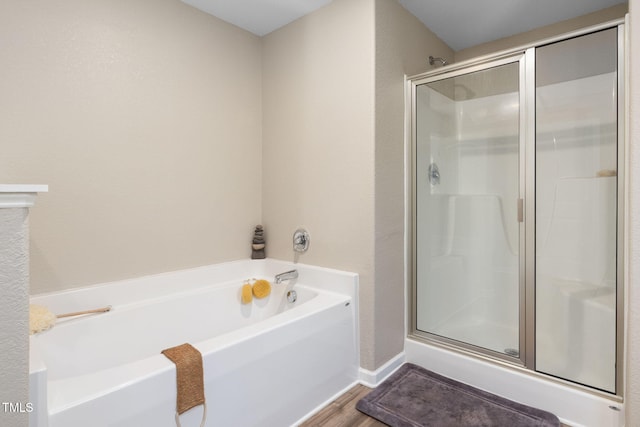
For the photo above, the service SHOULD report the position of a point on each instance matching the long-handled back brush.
(41, 319)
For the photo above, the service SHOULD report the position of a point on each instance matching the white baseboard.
(374, 378)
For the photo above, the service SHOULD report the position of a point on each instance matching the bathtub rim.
(137, 289)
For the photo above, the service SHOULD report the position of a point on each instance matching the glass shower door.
(467, 207)
(576, 209)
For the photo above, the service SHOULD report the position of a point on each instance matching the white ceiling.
(459, 23)
(258, 16)
(466, 23)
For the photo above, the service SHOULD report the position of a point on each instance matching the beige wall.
(604, 15)
(144, 118)
(632, 386)
(403, 46)
(334, 150)
(318, 152)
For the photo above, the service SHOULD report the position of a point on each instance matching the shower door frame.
(445, 73)
(525, 55)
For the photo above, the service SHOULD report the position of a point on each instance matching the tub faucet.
(287, 275)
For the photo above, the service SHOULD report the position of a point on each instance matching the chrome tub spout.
(287, 275)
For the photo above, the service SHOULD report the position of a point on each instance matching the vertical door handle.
(520, 210)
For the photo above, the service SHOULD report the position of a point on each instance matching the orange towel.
(189, 376)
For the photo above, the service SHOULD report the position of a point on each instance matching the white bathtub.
(268, 363)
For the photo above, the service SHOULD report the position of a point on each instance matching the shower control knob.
(434, 174)
(300, 240)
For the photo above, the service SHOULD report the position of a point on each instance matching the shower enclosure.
(517, 207)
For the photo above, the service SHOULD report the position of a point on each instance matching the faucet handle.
(300, 240)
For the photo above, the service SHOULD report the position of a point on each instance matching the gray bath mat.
(416, 397)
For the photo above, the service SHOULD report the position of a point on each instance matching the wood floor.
(342, 412)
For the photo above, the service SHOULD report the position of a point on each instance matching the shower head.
(433, 60)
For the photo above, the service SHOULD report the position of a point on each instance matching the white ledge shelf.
(20, 195)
